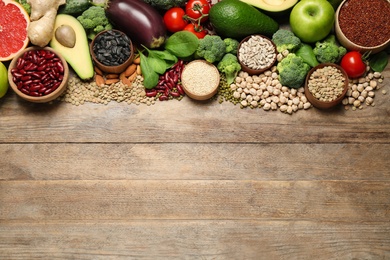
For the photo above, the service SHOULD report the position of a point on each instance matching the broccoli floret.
(285, 40)
(292, 71)
(231, 45)
(229, 66)
(211, 48)
(328, 50)
(94, 21)
(165, 4)
(26, 6)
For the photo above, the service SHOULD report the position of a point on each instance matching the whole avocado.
(236, 19)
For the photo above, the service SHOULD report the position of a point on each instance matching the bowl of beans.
(112, 51)
(363, 25)
(256, 54)
(326, 85)
(38, 74)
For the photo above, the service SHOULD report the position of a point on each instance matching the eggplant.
(141, 22)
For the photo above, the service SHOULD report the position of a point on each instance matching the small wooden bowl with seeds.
(112, 51)
(326, 85)
(200, 80)
(256, 53)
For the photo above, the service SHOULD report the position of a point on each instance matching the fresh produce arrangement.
(254, 54)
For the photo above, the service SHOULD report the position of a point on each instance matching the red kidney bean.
(38, 72)
(60, 66)
(34, 93)
(151, 93)
(25, 91)
(169, 83)
(163, 98)
(180, 89)
(35, 87)
(175, 94)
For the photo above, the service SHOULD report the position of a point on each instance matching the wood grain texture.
(193, 161)
(191, 180)
(205, 239)
(156, 199)
(188, 121)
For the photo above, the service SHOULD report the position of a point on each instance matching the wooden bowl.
(44, 97)
(325, 104)
(249, 69)
(111, 69)
(351, 46)
(200, 79)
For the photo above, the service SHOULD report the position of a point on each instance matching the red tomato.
(196, 9)
(173, 19)
(199, 31)
(353, 64)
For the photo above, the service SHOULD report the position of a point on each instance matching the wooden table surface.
(193, 180)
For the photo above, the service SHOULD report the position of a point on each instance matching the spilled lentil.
(80, 92)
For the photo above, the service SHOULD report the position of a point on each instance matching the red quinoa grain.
(366, 22)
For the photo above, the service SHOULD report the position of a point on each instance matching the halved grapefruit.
(14, 22)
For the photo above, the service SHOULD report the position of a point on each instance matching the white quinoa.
(200, 77)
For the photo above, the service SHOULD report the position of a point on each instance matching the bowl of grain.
(363, 25)
(200, 79)
(326, 85)
(112, 51)
(256, 53)
(38, 74)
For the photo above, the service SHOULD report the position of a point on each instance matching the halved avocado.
(272, 7)
(78, 56)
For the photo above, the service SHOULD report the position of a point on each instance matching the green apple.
(3, 80)
(312, 20)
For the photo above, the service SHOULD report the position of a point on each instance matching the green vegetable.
(165, 4)
(229, 66)
(165, 56)
(25, 5)
(155, 64)
(231, 45)
(182, 44)
(285, 40)
(236, 19)
(94, 20)
(151, 77)
(328, 51)
(305, 51)
(74, 7)
(378, 61)
(212, 48)
(292, 71)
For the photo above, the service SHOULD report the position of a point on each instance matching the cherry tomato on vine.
(199, 31)
(173, 19)
(196, 9)
(353, 64)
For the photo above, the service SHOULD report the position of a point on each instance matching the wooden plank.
(123, 200)
(185, 161)
(189, 121)
(204, 239)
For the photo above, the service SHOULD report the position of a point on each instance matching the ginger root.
(43, 14)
